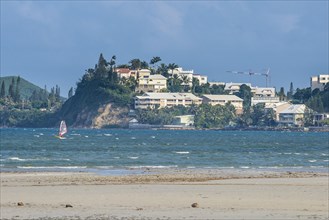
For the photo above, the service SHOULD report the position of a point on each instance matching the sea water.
(122, 149)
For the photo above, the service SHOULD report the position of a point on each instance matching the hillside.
(26, 88)
(100, 100)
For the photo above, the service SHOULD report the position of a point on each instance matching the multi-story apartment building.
(319, 81)
(293, 115)
(188, 75)
(161, 100)
(151, 83)
(223, 99)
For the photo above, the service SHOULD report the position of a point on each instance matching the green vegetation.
(97, 87)
(26, 105)
(23, 104)
(316, 100)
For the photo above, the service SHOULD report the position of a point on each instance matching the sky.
(53, 42)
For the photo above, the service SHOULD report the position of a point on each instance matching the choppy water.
(87, 149)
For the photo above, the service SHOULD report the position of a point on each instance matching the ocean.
(120, 149)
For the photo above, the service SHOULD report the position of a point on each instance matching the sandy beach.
(165, 195)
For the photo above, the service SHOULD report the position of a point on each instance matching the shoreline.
(165, 195)
(151, 175)
(281, 129)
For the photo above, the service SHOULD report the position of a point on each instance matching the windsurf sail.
(62, 129)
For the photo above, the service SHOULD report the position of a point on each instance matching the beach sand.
(165, 195)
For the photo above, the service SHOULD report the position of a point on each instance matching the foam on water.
(162, 148)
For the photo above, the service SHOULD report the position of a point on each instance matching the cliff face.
(110, 116)
(106, 116)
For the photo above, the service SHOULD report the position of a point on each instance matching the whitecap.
(133, 138)
(152, 167)
(117, 138)
(133, 158)
(312, 161)
(182, 152)
(287, 153)
(86, 136)
(16, 158)
(108, 135)
(52, 167)
(152, 136)
(226, 167)
(36, 135)
(324, 154)
(325, 160)
(244, 167)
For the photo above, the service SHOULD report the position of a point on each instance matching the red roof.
(122, 70)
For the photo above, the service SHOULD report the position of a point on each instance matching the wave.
(152, 167)
(35, 159)
(182, 152)
(133, 158)
(52, 167)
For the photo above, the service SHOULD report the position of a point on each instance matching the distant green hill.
(26, 88)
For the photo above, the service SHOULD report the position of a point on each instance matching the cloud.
(286, 23)
(38, 13)
(166, 19)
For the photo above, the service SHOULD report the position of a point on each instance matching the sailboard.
(62, 130)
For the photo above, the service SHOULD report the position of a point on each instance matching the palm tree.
(163, 70)
(153, 61)
(172, 66)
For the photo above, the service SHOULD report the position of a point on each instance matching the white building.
(263, 95)
(152, 83)
(234, 87)
(223, 99)
(216, 83)
(293, 115)
(318, 82)
(202, 79)
(161, 100)
(188, 75)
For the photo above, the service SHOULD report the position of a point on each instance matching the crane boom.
(251, 73)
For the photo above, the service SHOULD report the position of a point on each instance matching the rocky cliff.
(106, 116)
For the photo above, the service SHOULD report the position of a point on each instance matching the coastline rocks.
(68, 206)
(20, 204)
(195, 205)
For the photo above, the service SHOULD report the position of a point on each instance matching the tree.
(281, 94)
(172, 66)
(101, 67)
(70, 94)
(3, 90)
(245, 94)
(135, 64)
(11, 92)
(153, 61)
(291, 91)
(144, 65)
(163, 70)
(112, 75)
(303, 95)
(57, 93)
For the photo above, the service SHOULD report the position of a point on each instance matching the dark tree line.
(13, 90)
